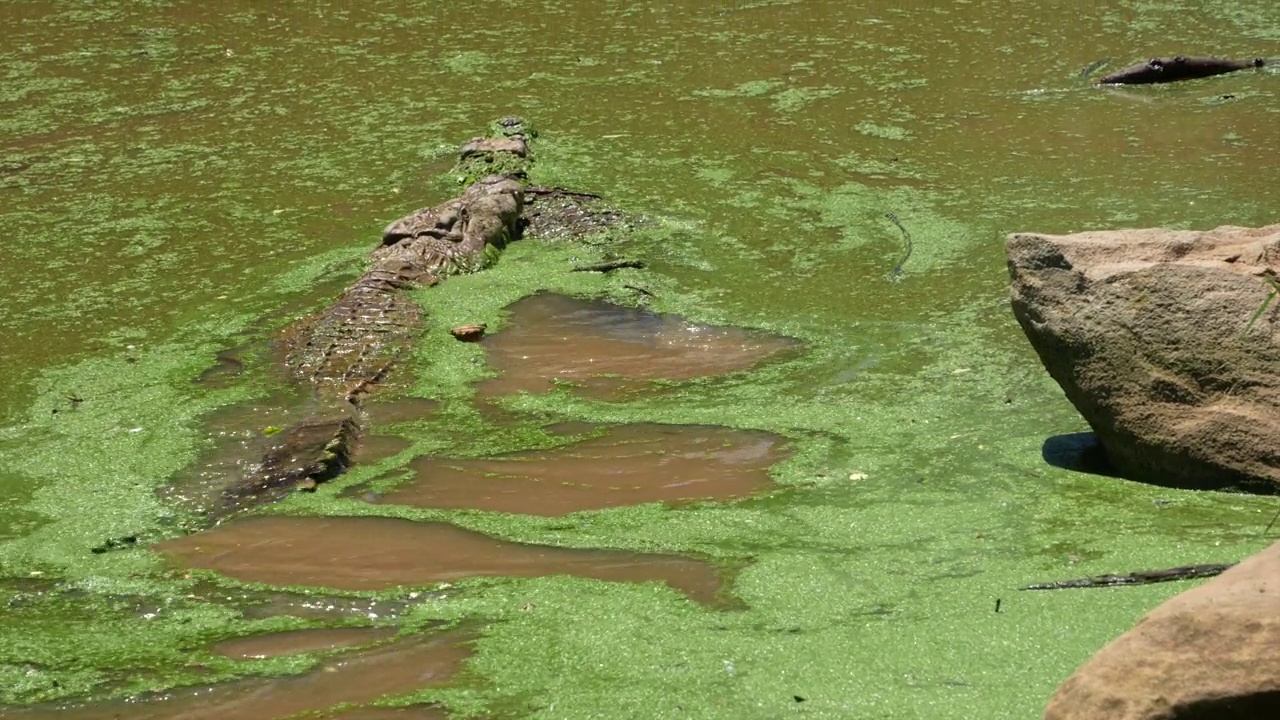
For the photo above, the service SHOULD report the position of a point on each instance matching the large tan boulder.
(1145, 330)
(1211, 653)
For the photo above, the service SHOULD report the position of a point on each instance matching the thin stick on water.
(907, 245)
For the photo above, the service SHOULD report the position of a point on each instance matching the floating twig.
(906, 243)
(610, 266)
(1143, 577)
(1272, 523)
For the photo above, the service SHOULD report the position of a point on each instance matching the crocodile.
(348, 350)
(1163, 70)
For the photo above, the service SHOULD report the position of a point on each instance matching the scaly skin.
(349, 347)
(345, 351)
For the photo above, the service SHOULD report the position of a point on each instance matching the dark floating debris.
(1142, 577)
(610, 266)
(907, 246)
(1179, 67)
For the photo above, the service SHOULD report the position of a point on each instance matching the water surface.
(180, 178)
(300, 641)
(625, 465)
(371, 553)
(605, 350)
(358, 678)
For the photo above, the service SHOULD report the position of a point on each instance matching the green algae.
(886, 132)
(749, 89)
(216, 178)
(891, 167)
(468, 62)
(793, 99)
(107, 431)
(67, 641)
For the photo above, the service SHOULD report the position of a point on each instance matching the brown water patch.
(626, 465)
(258, 604)
(569, 428)
(407, 409)
(300, 641)
(607, 350)
(373, 448)
(373, 553)
(419, 712)
(363, 677)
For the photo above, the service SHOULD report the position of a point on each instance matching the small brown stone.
(469, 333)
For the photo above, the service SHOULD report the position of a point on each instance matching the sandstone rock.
(1210, 653)
(1145, 330)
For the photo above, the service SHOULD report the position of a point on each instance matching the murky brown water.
(407, 713)
(363, 677)
(373, 448)
(372, 553)
(237, 436)
(222, 152)
(606, 350)
(258, 604)
(627, 465)
(405, 409)
(300, 641)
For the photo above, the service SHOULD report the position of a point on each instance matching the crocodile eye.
(1179, 59)
(1156, 63)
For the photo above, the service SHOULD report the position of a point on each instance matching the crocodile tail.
(299, 458)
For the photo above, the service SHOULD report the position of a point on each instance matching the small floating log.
(1142, 577)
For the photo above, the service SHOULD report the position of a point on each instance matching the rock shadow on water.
(624, 465)
(608, 350)
(359, 678)
(1079, 452)
(377, 553)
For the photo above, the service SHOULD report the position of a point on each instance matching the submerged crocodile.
(1180, 67)
(344, 352)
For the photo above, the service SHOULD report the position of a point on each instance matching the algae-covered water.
(177, 179)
